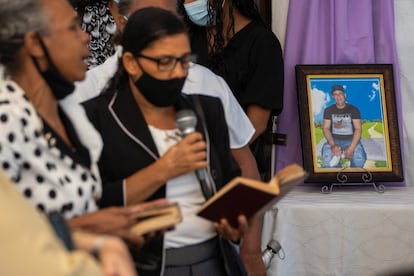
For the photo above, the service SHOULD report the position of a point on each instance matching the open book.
(158, 218)
(248, 196)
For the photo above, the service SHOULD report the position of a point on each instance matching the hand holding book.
(158, 218)
(248, 197)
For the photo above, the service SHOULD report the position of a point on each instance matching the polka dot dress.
(47, 175)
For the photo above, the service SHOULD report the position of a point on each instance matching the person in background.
(200, 80)
(50, 150)
(144, 155)
(98, 20)
(29, 245)
(230, 38)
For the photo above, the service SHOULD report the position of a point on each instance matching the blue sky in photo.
(364, 93)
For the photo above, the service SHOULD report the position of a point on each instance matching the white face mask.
(197, 11)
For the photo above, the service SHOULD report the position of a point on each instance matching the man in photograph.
(342, 131)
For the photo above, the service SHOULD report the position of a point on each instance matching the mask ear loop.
(140, 66)
(34, 59)
(46, 53)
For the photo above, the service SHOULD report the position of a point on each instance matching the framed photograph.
(349, 123)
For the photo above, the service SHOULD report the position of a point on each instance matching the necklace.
(172, 135)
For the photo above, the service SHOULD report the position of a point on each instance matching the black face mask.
(161, 93)
(58, 84)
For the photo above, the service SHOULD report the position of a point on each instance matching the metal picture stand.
(366, 179)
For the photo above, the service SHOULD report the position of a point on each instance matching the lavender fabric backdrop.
(332, 32)
(404, 26)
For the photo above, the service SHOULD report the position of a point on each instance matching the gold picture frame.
(372, 122)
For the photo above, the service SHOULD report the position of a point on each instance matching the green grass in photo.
(380, 164)
(365, 126)
(319, 162)
(380, 128)
(318, 135)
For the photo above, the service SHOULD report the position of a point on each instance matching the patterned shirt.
(44, 169)
(99, 23)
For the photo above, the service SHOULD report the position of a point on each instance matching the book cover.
(247, 196)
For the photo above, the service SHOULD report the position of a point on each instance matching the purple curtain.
(332, 32)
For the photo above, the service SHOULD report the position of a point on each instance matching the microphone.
(272, 248)
(186, 121)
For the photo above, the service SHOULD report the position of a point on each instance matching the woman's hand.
(230, 233)
(116, 221)
(111, 252)
(115, 259)
(249, 233)
(186, 156)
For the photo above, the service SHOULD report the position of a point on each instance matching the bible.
(158, 218)
(248, 196)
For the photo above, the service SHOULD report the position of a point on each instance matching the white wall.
(279, 18)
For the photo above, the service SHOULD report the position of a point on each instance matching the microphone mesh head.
(274, 245)
(186, 121)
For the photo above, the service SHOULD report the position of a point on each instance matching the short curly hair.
(17, 18)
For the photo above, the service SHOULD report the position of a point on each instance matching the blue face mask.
(197, 11)
(117, 1)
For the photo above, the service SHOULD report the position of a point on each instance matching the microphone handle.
(267, 257)
(205, 184)
(201, 174)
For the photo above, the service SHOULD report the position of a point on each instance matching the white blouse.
(50, 179)
(185, 190)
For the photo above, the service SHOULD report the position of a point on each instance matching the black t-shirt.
(253, 65)
(253, 68)
(341, 120)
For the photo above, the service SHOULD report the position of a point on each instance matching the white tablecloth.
(347, 232)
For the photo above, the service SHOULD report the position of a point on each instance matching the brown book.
(248, 196)
(158, 218)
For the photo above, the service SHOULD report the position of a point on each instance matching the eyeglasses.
(168, 63)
